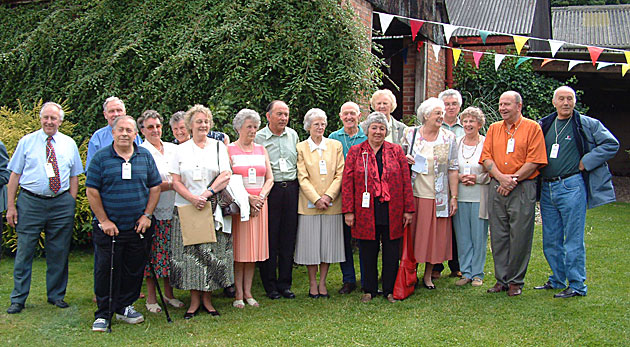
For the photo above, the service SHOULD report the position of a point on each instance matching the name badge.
(555, 148)
(466, 170)
(365, 203)
(50, 172)
(284, 166)
(510, 146)
(197, 174)
(251, 175)
(126, 171)
(322, 167)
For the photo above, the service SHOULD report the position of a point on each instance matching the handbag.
(406, 278)
(223, 198)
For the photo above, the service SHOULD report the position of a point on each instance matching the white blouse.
(164, 208)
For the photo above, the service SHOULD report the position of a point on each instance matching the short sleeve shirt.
(280, 148)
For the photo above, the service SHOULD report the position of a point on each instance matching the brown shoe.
(367, 297)
(390, 298)
(348, 288)
(514, 290)
(498, 287)
(455, 274)
(462, 281)
(435, 275)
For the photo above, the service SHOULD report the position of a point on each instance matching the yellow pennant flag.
(624, 69)
(519, 42)
(627, 53)
(456, 53)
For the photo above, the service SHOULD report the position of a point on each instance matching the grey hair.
(149, 114)
(313, 113)
(517, 97)
(176, 117)
(110, 99)
(353, 104)
(129, 118)
(565, 88)
(375, 117)
(386, 92)
(426, 107)
(190, 114)
(451, 93)
(242, 116)
(476, 113)
(50, 103)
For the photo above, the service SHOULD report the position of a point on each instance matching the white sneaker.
(130, 315)
(100, 324)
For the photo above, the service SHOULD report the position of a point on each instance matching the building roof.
(507, 16)
(604, 26)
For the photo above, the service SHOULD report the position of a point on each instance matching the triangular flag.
(477, 57)
(436, 51)
(498, 58)
(624, 69)
(484, 35)
(521, 60)
(419, 47)
(404, 55)
(555, 46)
(627, 53)
(456, 54)
(603, 65)
(545, 61)
(386, 20)
(448, 31)
(519, 42)
(594, 52)
(415, 27)
(573, 63)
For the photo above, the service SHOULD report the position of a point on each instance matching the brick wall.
(436, 72)
(409, 84)
(364, 11)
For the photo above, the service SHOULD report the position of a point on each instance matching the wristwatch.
(149, 216)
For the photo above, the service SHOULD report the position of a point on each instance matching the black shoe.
(59, 303)
(213, 313)
(189, 315)
(431, 287)
(348, 288)
(547, 285)
(15, 308)
(229, 292)
(567, 293)
(325, 296)
(313, 296)
(273, 295)
(287, 293)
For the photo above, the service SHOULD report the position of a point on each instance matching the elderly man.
(280, 142)
(577, 176)
(351, 134)
(513, 151)
(113, 108)
(45, 165)
(122, 187)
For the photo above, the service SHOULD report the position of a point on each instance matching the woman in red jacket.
(377, 203)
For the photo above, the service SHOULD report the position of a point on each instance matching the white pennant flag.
(436, 51)
(498, 58)
(603, 65)
(573, 63)
(386, 20)
(448, 31)
(555, 46)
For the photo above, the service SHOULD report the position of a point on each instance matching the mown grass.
(447, 316)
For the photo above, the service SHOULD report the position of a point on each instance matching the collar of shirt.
(268, 133)
(313, 146)
(44, 137)
(115, 154)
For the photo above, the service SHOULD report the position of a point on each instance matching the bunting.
(603, 65)
(627, 54)
(573, 63)
(519, 42)
(436, 51)
(521, 60)
(448, 31)
(624, 69)
(594, 52)
(484, 35)
(477, 58)
(456, 53)
(415, 27)
(419, 46)
(498, 58)
(555, 45)
(386, 20)
(545, 61)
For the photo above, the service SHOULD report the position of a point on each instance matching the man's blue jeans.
(563, 211)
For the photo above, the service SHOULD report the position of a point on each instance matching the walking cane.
(111, 287)
(147, 253)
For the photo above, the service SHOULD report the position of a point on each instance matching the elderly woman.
(377, 203)
(471, 220)
(320, 228)
(178, 127)
(200, 168)
(384, 101)
(433, 153)
(150, 124)
(251, 162)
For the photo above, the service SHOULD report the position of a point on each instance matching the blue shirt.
(29, 160)
(124, 201)
(346, 140)
(101, 138)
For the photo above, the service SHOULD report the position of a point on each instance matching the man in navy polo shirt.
(123, 190)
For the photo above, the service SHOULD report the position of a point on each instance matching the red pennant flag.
(415, 27)
(420, 44)
(477, 57)
(545, 61)
(594, 52)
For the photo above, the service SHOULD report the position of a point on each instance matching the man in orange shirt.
(513, 152)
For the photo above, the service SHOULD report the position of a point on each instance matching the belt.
(558, 178)
(43, 196)
(285, 184)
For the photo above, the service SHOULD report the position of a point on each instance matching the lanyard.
(515, 129)
(555, 127)
(364, 156)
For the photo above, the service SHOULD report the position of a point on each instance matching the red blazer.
(396, 181)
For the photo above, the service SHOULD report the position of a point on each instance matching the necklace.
(345, 142)
(473, 152)
(240, 145)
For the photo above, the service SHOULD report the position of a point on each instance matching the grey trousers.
(511, 230)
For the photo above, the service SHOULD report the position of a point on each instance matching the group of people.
(440, 183)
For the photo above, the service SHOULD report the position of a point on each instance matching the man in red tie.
(45, 165)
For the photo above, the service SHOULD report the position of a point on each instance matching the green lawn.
(447, 316)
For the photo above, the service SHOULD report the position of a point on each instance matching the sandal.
(252, 302)
(238, 304)
(153, 308)
(174, 302)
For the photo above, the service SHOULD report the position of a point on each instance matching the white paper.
(420, 165)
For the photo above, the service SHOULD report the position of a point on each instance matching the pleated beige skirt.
(319, 240)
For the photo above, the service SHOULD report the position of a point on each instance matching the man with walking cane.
(122, 187)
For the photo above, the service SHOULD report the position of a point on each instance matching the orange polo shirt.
(529, 146)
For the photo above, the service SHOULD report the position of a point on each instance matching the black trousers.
(129, 262)
(368, 253)
(453, 264)
(276, 272)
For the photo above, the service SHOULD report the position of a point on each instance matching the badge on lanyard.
(197, 174)
(251, 175)
(50, 172)
(466, 170)
(322, 167)
(365, 203)
(126, 171)
(510, 146)
(284, 166)
(555, 148)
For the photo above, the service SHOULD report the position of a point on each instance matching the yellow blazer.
(312, 184)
